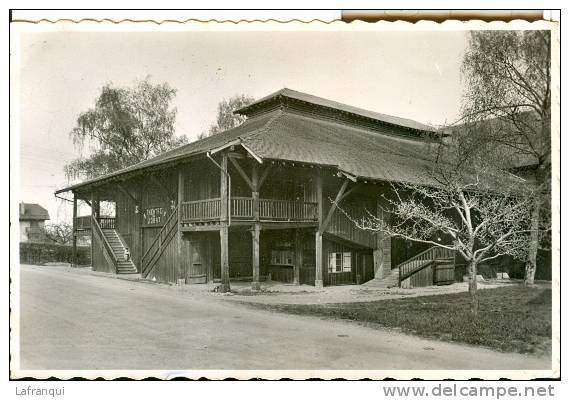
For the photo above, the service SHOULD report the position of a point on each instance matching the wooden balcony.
(84, 223)
(242, 208)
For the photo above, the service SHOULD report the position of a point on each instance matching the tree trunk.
(530, 265)
(472, 273)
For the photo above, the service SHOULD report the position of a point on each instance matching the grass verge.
(512, 318)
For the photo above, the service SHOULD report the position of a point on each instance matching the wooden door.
(197, 269)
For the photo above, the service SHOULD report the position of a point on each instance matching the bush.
(41, 253)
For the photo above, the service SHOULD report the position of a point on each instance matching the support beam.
(224, 190)
(255, 256)
(74, 233)
(236, 155)
(97, 206)
(224, 228)
(318, 260)
(318, 233)
(224, 259)
(181, 274)
(325, 224)
(140, 231)
(298, 256)
(255, 191)
(242, 173)
(348, 193)
(263, 177)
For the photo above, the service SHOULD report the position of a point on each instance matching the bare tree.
(464, 205)
(507, 99)
(60, 233)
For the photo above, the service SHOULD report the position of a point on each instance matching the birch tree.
(507, 98)
(127, 125)
(225, 118)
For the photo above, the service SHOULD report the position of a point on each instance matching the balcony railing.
(84, 222)
(242, 209)
(201, 210)
(287, 210)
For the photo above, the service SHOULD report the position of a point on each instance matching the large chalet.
(260, 201)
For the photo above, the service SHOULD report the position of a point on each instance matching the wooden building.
(268, 199)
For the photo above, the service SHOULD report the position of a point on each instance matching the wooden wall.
(128, 224)
(201, 181)
(100, 261)
(166, 268)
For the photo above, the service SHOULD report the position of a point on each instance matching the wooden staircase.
(118, 247)
(410, 270)
(402, 274)
(386, 282)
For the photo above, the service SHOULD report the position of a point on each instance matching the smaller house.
(32, 220)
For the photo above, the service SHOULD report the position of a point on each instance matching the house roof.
(33, 211)
(287, 134)
(322, 102)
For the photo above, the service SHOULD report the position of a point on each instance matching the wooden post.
(224, 229)
(97, 205)
(92, 227)
(141, 232)
(180, 265)
(255, 192)
(255, 256)
(74, 233)
(298, 256)
(318, 234)
(256, 228)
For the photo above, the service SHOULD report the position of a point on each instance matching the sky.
(413, 75)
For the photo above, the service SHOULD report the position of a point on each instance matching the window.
(281, 257)
(340, 262)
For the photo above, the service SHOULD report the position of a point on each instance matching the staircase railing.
(421, 261)
(106, 246)
(151, 256)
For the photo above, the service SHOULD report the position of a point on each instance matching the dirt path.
(71, 319)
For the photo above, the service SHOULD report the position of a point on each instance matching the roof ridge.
(265, 127)
(360, 129)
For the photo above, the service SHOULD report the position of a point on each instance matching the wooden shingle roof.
(33, 211)
(334, 105)
(375, 151)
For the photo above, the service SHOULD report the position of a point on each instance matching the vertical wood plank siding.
(420, 279)
(165, 270)
(128, 224)
(100, 259)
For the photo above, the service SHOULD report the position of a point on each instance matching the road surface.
(72, 319)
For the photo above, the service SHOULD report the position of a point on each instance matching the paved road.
(72, 319)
